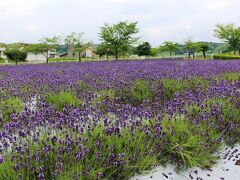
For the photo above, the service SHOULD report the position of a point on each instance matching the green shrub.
(104, 94)
(9, 106)
(82, 87)
(141, 90)
(229, 108)
(225, 56)
(225, 120)
(15, 54)
(139, 151)
(230, 76)
(62, 99)
(171, 86)
(187, 143)
(196, 83)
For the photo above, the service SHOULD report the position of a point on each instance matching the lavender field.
(115, 120)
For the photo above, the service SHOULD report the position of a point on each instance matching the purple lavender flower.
(1, 159)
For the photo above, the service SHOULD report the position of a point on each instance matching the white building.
(32, 57)
(40, 57)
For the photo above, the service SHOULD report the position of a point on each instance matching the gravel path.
(228, 168)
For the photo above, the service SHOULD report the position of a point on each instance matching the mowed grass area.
(4, 61)
(113, 120)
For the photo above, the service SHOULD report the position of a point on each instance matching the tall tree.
(190, 47)
(143, 49)
(170, 47)
(203, 47)
(118, 36)
(44, 47)
(230, 34)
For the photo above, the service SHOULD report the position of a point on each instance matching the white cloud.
(33, 28)
(218, 4)
(188, 27)
(118, 1)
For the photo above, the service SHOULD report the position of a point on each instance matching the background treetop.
(119, 36)
(230, 34)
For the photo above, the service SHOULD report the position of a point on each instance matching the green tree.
(103, 49)
(170, 47)
(190, 47)
(118, 36)
(15, 52)
(76, 44)
(238, 45)
(203, 47)
(143, 49)
(126, 50)
(224, 48)
(230, 34)
(44, 47)
(79, 48)
(154, 52)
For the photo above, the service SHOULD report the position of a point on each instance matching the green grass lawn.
(4, 61)
(69, 59)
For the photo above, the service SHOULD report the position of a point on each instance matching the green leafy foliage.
(171, 86)
(9, 106)
(16, 55)
(15, 52)
(170, 47)
(185, 145)
(143, 49)
(62, 99)
(186, 142)
(118, 36)
(190, 47)
(230, 34)
(141, 90)
(231, 76)
(203, 47)
(103, 49)
(228, 107)
(104, 94)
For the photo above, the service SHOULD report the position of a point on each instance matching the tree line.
(121, 39)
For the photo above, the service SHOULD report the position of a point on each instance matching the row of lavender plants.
(113, 120)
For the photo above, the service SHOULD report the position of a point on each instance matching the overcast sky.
(158, 20)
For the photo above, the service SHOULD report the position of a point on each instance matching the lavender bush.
(112, 120)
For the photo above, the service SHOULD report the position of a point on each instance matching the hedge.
(226, 56)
